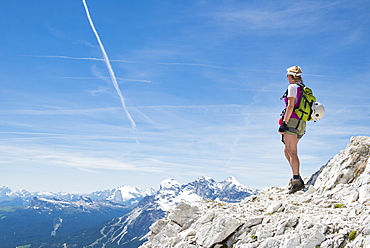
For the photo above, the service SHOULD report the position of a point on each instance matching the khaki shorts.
(296, 127)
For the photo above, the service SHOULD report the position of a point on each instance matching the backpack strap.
(284, 95)
(301, 85)
(299, 96)
(299, 121)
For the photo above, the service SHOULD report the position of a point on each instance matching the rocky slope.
(332, 212)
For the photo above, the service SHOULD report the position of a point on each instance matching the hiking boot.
(295, 185)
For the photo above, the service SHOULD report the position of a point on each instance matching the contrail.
(110, 69)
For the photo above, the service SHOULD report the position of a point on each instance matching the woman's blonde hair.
(296, 78)
(295, 72)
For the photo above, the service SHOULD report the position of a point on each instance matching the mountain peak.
(232, 180)
(169, 184)
(204, 178)
(4, 191)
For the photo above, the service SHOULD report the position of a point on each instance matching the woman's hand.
(283, 128)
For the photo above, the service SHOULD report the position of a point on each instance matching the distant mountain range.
(126, 195)
(26, 217)
(136, 210)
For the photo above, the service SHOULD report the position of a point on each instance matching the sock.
(296, 176)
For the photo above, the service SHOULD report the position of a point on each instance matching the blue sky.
(201, 81)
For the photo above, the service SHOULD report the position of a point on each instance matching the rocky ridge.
(332, 212)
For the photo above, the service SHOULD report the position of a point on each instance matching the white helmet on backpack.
(318, 111)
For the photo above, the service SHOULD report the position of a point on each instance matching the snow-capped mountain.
(83, 204)
(24, 197)
(127, 195)
(131, 229)
(332, 212)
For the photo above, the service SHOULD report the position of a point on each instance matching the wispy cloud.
(58, 111)
(193, 64)
(76, 58)
(271, 16)
(107, 78)
(60, 157)
(128, 61)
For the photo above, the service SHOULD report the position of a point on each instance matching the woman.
(292, 128)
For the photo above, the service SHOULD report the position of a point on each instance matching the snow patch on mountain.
(57, 224)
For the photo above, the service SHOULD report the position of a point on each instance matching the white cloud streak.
(272, 16)
(77, 58)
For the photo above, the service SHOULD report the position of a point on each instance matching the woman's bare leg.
(291, 152)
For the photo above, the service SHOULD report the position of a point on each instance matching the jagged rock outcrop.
(332, 212)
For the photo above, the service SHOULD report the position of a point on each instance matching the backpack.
(307, 104)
